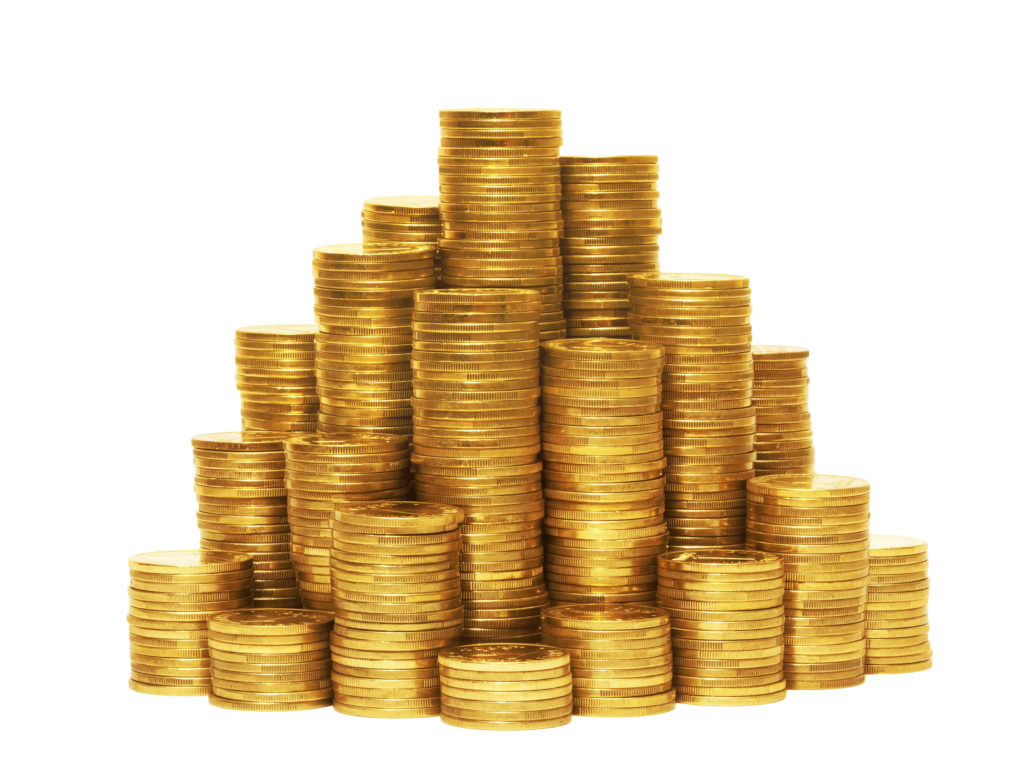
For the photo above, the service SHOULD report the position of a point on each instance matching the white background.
(166, 169)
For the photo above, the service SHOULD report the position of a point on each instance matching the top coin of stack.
(612, 223)
(275, 376)
(783, 442)
(500, 204)
(703, 322)
(897, 609)
(403, 219)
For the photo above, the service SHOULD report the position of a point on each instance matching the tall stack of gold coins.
(703, 322)
(395, 578)
(612, 223)
(897, 608)
(505, 686)
(403, 219)
(604, 467)
(363, 308)
(784, 442)
(621, 657)
(170, 597)
(476, 442)
(818, 524)
(727, 625)
(500, 204)
(320, 473)
(243, 507)
(270, 660)
(275, 377)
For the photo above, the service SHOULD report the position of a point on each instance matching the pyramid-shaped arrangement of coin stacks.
(897, 607)
(505, 686)
(621, 657)
(612, 222)
(403, 219)
(784, 442)
(275, 377)
(170, 597)
(397, 602)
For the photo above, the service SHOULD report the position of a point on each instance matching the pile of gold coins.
(897, 607)
(500, 204)
(170, 596)
(476, 441)
(621, 657)
(364, 295)
(243, 508)
(604, 469)
(612, 222)
(703, 323)
(275, 377)
(395, 580)
(818, 524)
(505, 686)
(403, 219)
(784, 442)
(320, 473)
(270, 659)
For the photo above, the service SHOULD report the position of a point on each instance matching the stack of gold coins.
(500, 204)
(320, 473)
(403, 219)
(703, 322)
(604, 467)
(818, 524)
(612, 223)
(270, 659)
(897, 608)
(363, 309)
(505, 686)
(170, 597)
(727, 625)
(243, 507)
(621, 657)
(784, 442)
(395, 579)
(476, 442)
(275, 376)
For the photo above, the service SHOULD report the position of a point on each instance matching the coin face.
(605, 612)
(526, 655)
(270, 618)
(196, 561)
(889, 546)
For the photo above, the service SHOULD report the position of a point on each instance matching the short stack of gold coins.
(364, 295)
(275, 377)
(396, 586)
(476, 443)
(612, 222)
(621, 657)
(703, 322)
(323, 471)
(727, 625)
(505, 686)
(243, 508)
(500, 204)
(403, 219)
(604, 469)
(170, 596)
(270, 659)
(784, 441)
(897, 607)
(818, 524)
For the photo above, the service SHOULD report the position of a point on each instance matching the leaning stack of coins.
(897, 608)
(505, 686)
(363, 309)
(403, 219)
(395, 579)
(727, 625)
(476, 442)
(784, 442)
(275, 376)
(243, 508)
(818, 524)
(621, 657)
(320, 473)
(604, 467)
(703, 322)
(270, 659)
(612, 223)
(170, 597)
(500, 204)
